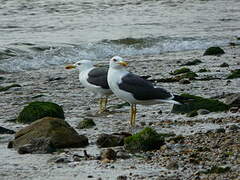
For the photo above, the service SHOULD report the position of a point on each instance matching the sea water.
(43, 33)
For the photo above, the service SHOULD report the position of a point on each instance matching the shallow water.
(36, 34)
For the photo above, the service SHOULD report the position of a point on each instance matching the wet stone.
(109, 154)
(111, 140)
(172, 165)
(86, 123)
(220, 130)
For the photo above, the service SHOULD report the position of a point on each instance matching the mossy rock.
(234, 74)
(37, 110)
(197, 103)
(58, 131)
(86, 123)
(146, 140)
(214, 51)
(191, 63)
(180, 71)
(8, 87)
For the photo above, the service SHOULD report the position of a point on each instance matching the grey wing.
(142, 89)
(98, 77)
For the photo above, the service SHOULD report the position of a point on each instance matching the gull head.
(117, 63)
(81, 65)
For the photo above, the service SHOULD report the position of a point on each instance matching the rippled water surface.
(38, 33)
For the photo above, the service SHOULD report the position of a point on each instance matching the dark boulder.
(37, 110)
(214, 51)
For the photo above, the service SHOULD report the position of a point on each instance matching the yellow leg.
(100, 105)
(133, 115)
(105, 101)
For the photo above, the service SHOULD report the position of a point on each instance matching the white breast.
(114, 78)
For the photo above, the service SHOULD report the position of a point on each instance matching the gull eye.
(114, 60)
(78, 64)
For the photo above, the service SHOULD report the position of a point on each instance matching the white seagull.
(94, 79)
(134, 89)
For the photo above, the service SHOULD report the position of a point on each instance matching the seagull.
(94, 79)
(134, 89)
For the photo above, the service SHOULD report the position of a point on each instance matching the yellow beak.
(123, 63)
(71, 66)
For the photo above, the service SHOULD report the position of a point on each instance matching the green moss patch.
(86, 123)
(234, 74)
(146, 140)
(37, 110)
(214, 51)
(197, 103)
(190, 75)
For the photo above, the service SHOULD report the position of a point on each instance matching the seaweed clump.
(146, 140)
(37, 110)
(196, 102)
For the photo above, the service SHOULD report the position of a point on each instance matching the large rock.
(37, 110)
(58, 131)
(214, 51)
(197, 103)
(146, 140)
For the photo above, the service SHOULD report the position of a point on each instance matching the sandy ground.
(62, 87)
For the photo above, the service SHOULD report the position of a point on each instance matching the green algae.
(37, 110)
